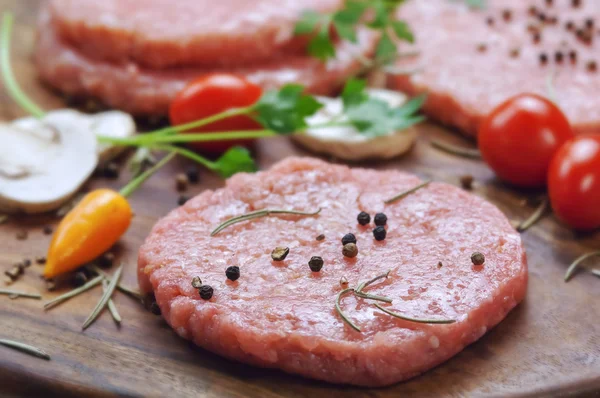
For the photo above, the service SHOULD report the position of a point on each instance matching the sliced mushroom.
(111, 124)
(42, 165)
(346, 142)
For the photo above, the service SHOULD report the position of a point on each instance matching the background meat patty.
(164, 33)
(281, 315)
(471, 60)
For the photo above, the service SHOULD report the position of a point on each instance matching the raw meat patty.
(164, 33)
(145, 91)
(469, 66)
(281, 315)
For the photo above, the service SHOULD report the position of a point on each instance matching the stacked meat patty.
(136, 55)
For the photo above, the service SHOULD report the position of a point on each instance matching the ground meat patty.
(282, 315)
(145, 91)
(472, 60)
(165, 33)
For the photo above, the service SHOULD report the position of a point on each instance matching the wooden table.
(549, 345)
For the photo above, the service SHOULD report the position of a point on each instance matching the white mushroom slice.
(346, 142)
(115, 124)
(43, 165)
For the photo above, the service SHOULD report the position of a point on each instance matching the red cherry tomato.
(212, 94)
(518, 139)
(574, 182)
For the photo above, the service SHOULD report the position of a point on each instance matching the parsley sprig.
(378, 15)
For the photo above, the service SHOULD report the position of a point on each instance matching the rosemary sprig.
(17, 294)
(408, 192)
(111, 306)
(417, 320)
(456, 150)
(535, 217)
(359, 290)
(339, 309)
(124, 289)
(258, 214)
(573, 267)
(26, 348)
(104, 299)
(61, 299)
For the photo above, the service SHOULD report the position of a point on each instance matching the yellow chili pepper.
(94, 225)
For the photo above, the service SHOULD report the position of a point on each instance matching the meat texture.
(282, 315)
(471, 60)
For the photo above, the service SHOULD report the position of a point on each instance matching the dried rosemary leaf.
(406, 193)
(17, 294)
(26, 348)
(104, 299)
(61, 299)
(456, 150)
(417, 320)
(258, 214)
(111, 306)
(535, 217)
(339, 309)
(575, 264)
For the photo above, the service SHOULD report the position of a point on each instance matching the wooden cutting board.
(549, 345)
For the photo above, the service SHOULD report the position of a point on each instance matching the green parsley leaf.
(381, 19)
(476, 3)
(285, 110)
(402, 31)
(386, 49)
(308, 23)
(321, 45)
(346, 20)
(354, 93)
(235, 160)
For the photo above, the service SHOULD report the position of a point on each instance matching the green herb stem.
(573, 267)
(339, 309)
(406, 193)
(417, 320)
(9, 79)
(144, 140)
(61, 299)
(111, 305)
(16, 294)
(373, 297)
(121, 287)
(139, 180)
(104, 299)
(535, 217)
(26, 348)
(456, 150)
(188, 154)
(258, 214)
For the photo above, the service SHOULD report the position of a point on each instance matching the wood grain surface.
(547, 346)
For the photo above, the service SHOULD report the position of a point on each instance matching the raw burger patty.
(281, 315)
(146, 91)
(465, 83)
(163, 33)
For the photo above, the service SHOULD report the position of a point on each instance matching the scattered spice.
(315, 263)
(350, 250)
(206, 292)
(348, 238)
(26, 263)
(482, 47)
(406, 193)
(363, 218)
(14, 272)
(154, 308)
(258, 214)
(80, 278)
(507, 15)
(22, 234)
(575, 264)
(575, 3)
(379, 233)
(515, 52)
(280, 253)
(50, 284)
(181, 182)
(456, 150)
(111, 171)
(535, 217)
(193, 174)
(573, 56)
(589, 23)
(489, 21)
(343, 281)
(477, 258)
(182, 200)
(106, 260)
(592, 66)
(196, 282)
(320, 237)
(537, 37)
(549, 2)
(380, 219)
(439, 264)
(543, 58)
(466, 182)
(532, 11)
(47, 230)
(570, 25)
(232, 273)
(27, 349)
(3, 218)
(40, 260)
(558, 57)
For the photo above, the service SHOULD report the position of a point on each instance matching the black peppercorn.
(320, 237)
(348, 238)
(22, 235)
(490, 21)
(280, 253)
(206, 292)
(466, 182)
(532, 11)
(569, 25)
(26, 262)
(181, 182)
(154, 308)
(315, 263)
(558, 57)
(182, 199)
(40, 260)
(477, 258)
(79, 279)
(232, 273)
(507, 15)
(379, 233)
(592, 66)
(589, 23)
(106, 260)
(537, 37)
(380, 219)
(549, 2)
(363, 218)
(47, 230)
(193, 175)
(543, 58)
(350, 250)
(575, 3)
(573, 56)
(111, 171)
(439, 264)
